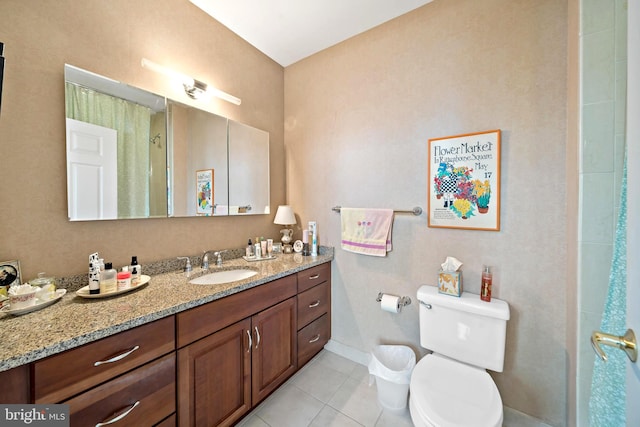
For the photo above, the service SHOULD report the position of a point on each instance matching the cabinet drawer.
(315, 275)
(313, 303)
(142, 397)
(312, 338)
(64, 375)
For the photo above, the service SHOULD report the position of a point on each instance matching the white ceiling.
(290, 30)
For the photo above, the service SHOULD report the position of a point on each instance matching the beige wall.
(357, 120)
(111, 38)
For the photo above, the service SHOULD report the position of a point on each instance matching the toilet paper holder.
(404, 301)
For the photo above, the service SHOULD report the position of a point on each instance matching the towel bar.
(416, 211)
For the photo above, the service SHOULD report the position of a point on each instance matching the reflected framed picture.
(10, 274)
(464, 181)
(204, 192)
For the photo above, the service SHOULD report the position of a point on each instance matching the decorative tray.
(37, 306)
(84, 292)
(254, 259)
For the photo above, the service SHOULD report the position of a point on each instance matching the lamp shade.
(284, 215)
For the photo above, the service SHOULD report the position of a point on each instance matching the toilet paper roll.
(390, 303)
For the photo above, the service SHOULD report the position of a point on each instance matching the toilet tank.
(464, 328)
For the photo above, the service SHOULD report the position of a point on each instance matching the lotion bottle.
(485, 289)
(136, 271)
(108, 279)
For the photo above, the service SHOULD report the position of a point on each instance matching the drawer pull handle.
(119, 417)
(258, 335)
(116, 358)
(314, 304)
(314, 339)
(250, 341)
(315, 276)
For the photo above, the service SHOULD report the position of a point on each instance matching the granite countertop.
(74, 321)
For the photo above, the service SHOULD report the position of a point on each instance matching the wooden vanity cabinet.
(223, 375)
(231, 354)
(314, 311)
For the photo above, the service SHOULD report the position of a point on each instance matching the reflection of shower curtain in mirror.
(132, 122)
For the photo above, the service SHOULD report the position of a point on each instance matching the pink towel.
(366, 231)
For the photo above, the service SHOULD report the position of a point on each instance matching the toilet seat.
(448, 393)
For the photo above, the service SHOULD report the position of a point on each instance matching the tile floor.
(329, 391)
(332, 391)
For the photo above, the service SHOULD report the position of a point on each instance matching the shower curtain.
(607, 403)
(132, 122)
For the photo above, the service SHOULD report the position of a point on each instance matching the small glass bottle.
(487, 278)
(249, 249)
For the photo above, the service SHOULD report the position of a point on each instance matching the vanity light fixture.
(195, 89)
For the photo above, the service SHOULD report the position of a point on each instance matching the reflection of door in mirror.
(198, 142)
(92, 175)
(138, 119)
(248, 169)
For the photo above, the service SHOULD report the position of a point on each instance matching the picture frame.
(204, 192)
(10, 274)
(464, 181)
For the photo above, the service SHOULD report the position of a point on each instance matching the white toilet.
(450, 387)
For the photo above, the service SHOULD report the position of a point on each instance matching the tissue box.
(450, 282)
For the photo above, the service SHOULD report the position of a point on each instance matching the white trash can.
(391, 365)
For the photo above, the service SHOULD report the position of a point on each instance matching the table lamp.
(285, 216)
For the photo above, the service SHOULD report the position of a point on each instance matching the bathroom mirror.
(198, 172)
(116, 149)
(248, 169)
(179, 161)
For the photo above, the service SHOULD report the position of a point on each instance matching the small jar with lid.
(46, 286)
(124, 280)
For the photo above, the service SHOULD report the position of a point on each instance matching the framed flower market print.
(464, 181)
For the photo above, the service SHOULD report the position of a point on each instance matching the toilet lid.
(448, 393)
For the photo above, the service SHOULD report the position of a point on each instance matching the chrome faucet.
(205, 259)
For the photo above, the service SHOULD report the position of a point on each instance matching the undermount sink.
(224, 276)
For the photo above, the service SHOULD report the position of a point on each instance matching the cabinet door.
(214, 378)
(275, 349)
